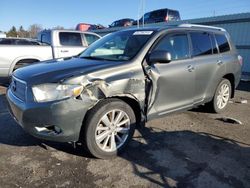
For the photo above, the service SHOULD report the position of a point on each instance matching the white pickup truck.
(54, 44)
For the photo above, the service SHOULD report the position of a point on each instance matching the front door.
(173, 83)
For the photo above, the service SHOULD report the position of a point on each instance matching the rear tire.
(221, 97)
(108, 128)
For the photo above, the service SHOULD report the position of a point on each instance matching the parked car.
(122, 23)
(87, 27)
(18, 41)
(123, 80)
(161, 15)
(59, 44)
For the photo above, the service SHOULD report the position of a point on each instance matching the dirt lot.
(191, 149)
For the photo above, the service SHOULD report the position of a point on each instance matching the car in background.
(53, 44)
(122, 22)
(161, 15)
(87, 27)
(18, 41)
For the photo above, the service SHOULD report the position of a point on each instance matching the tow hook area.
(51, 130)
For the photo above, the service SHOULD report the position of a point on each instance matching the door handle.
(190, 68)
(64, 51)
(219, 62)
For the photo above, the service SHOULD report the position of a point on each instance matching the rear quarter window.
(223, 43)
(173, 15)
(201, 43)
(70, 39)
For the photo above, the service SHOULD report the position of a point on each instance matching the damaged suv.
(123, 80)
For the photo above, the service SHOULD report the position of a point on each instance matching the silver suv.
(122, 80)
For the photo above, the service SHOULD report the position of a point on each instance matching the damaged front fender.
(97, 89)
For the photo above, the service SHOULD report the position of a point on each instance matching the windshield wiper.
(91, 57)
(98, 58)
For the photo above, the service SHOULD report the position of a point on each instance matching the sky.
(52, 13)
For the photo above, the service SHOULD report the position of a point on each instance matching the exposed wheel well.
(24, 62)
(231, 78)
(135, 106)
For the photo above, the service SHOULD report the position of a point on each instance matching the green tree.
(12, 32)
(22, 32)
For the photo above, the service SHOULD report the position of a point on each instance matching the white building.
(2, 35)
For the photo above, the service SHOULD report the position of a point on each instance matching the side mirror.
(159, 56)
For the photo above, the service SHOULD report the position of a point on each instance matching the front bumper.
(59, 121)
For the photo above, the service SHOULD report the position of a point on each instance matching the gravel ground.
(190, 149)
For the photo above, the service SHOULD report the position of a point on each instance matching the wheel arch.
(22, 60)
(128, 99)
(231, 79)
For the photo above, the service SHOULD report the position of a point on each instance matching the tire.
(100, 133)
(221, 97)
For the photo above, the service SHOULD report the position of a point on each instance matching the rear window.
(46, 38)
(222, 43)
(70, 39)
(91, 38)
(201, 44)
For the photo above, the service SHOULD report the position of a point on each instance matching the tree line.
(31, 32)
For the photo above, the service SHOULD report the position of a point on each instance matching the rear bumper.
(59, 121)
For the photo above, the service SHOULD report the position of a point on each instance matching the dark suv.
(161, 15)
(122, 23)
(123, 80)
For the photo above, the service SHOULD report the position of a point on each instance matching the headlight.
(52, 92)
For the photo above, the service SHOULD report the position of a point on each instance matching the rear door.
(173, 83)
(208, 65)
(70, 44)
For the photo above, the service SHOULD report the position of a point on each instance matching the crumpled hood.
(56, 71)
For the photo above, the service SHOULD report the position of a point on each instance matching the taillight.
(240, 60)
(166, 18)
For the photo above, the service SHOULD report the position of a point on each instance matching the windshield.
(119, 46)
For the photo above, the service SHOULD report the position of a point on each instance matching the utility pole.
(141, 10)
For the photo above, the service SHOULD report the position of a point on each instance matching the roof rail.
(201, 26)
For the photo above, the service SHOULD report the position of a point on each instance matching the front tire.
(221, 96)
(108, 128)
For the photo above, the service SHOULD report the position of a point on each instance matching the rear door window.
(222, 43)
(70, 39)
(176, 45)
(201, 43)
